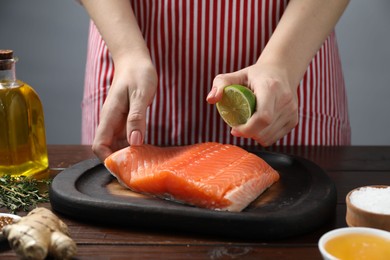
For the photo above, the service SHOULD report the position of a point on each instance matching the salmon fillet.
(206, 175)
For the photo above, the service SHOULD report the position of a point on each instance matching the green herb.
(22, 193)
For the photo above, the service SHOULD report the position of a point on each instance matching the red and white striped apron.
(190, 43)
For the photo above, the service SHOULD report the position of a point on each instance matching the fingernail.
(212, 93)
(135, 138)
(235, 133)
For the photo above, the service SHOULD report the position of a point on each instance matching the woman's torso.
(190, 43)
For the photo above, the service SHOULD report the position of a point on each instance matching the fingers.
(110, 135)
(276, 114)
(266, 113)
(123, 114)
(223, 80)
(123, 120)
(270, 132)
(139, 100)
(103, 151)
(136, 119)
(282, 126)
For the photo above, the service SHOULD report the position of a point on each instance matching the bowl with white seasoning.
(369, 206)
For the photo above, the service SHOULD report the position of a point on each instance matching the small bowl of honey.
(355, 243)
(369, 206)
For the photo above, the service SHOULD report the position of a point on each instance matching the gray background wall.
(50, 39)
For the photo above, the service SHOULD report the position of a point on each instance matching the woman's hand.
(123, 115)
(276, 102)
(274, 79)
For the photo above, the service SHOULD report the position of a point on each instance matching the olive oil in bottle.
(23, 150)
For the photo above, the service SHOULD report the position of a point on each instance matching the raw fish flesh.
(207, 175)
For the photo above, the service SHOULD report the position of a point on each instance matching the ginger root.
(39, 234)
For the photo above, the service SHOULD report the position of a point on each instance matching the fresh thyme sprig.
(22, 193)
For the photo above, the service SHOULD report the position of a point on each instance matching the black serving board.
(302, 200)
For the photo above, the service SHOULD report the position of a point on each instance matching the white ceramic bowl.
(348, 230)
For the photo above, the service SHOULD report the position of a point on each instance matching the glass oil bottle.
(23, 150)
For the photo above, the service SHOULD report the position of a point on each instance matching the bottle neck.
(7, 73)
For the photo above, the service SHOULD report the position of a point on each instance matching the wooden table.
(349, 167)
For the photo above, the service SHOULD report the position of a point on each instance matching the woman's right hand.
(123, 115)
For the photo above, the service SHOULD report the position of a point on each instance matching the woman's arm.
(118, 26)
(275, 76)
(303, 28)
(123, 115)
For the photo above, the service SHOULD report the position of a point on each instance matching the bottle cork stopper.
(6, 54)
(6, 61)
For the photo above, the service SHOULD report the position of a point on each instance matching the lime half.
(237, 105)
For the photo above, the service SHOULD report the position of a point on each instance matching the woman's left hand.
(276, 111)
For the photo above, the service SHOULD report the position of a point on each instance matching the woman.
(164, 58)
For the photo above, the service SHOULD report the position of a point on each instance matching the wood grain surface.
(348, 167)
